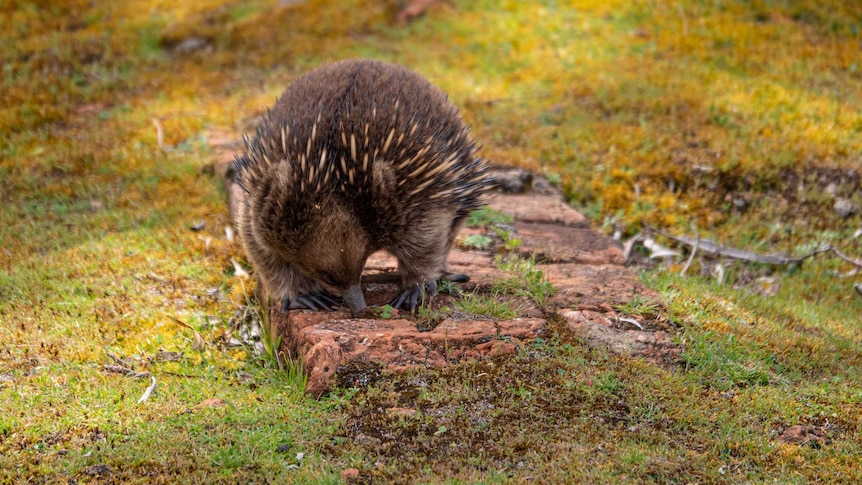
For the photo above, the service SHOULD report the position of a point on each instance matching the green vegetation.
(526, 279)
(385, 312)
(486, 217)
(739, 120)
(640, 306)
(487, 306)
(477, 241)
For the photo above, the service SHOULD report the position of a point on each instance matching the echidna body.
(355, 157)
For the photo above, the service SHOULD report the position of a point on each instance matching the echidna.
(355, 157)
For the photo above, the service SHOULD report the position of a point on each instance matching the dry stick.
(180, 322)
(116, 359)
(853, 261)
(118, 369)
(160, 133)
(149, 391)
(693, 251)
(690, 257)
(630, 244)
(491, 102)
(711, 247)
(177, 374)
(632, 321)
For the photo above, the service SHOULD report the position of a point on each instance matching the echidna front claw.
(409, 298)
(456, 277)
(312, 301)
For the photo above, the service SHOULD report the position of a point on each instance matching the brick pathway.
(585, 268)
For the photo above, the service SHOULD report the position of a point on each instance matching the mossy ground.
(740, 120)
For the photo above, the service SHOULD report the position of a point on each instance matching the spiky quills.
(330, 128)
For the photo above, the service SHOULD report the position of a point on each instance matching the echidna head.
(329, 246)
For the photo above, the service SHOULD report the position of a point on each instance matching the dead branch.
(491, 102)
(118, 369)
(713, 248)
(691, 256)
(160, 133)
(149, 391)
(853, 261)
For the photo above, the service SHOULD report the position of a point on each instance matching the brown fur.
(355, 157)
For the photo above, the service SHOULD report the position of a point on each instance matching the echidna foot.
(409, 298)
(312, 301)
(456, 277)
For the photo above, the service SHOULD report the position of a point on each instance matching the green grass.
(494, 306)
(641, 306)
(526, 279)
(652, 112)
(486, 217)
(476, 241)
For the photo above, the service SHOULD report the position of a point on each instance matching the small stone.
(167, 356)
(513, 180)
(364, 439)
(844, 207)
(212, 402)
(197, 226)
(405, 412)
(541, 185)
(97, 470)
(766, 286)
(800, 435)
(349, 474)
(191, 44)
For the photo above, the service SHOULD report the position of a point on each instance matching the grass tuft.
(526, 279)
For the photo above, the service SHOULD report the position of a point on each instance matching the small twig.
(657, 250)
(116, 359)
(710, 247)
(149, 391)
(182, 323)
(238, 269)
(160, 133)
(853, 261)
(630, 244)
(693, 252)
(177, 374)
(491, 102)
(718, 272)
(632, 321)
(684, 20)
(118, 369)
